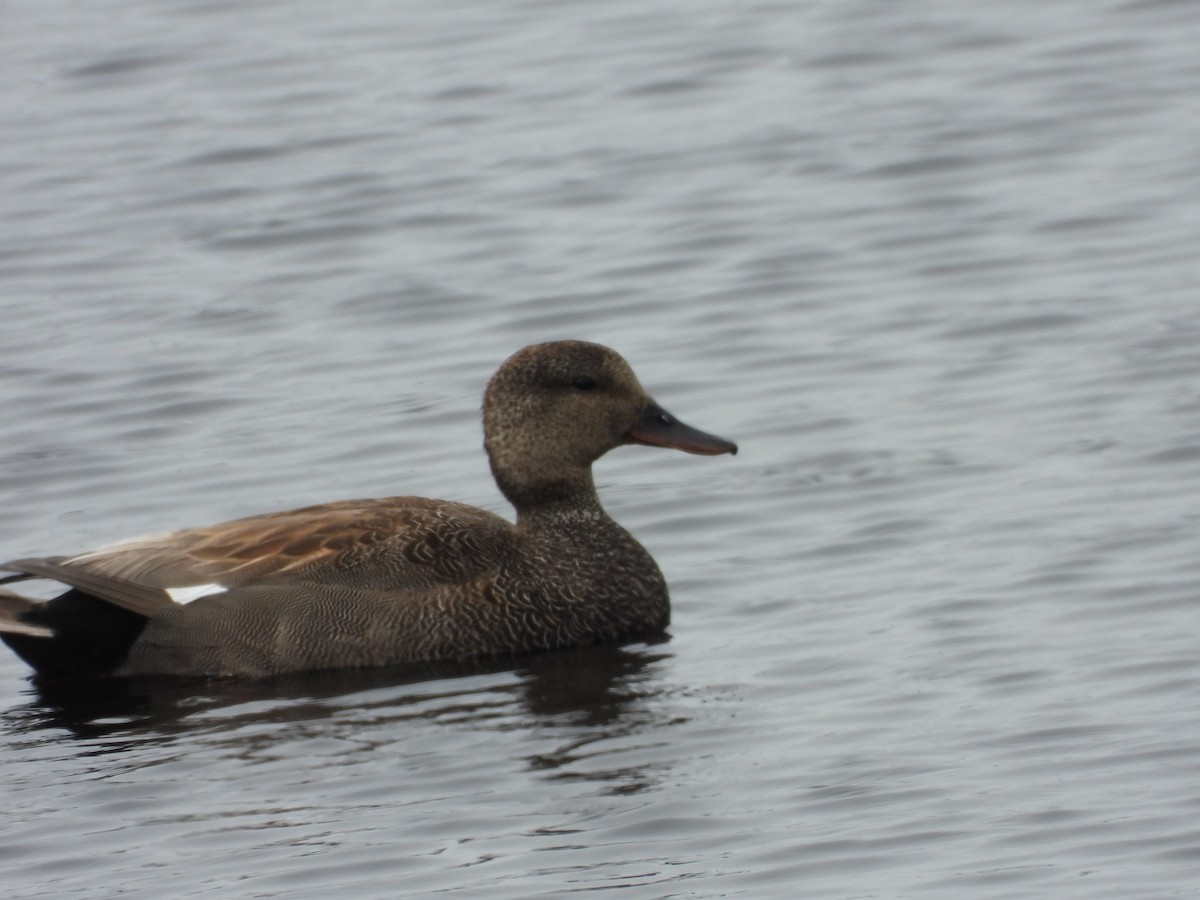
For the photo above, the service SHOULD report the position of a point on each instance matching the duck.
(384, 581)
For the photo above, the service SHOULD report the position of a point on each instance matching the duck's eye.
(585, 382)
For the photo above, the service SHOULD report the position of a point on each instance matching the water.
(931, 264)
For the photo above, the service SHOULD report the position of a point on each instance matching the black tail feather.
(72, 636)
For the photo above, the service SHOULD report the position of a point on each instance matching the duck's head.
(554, 409)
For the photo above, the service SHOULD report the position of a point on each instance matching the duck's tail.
(74, 635)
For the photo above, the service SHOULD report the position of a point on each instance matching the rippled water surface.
(932, 264)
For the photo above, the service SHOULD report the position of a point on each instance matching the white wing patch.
(194, 592)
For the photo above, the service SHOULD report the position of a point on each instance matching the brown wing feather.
(397, 542)
(128, 595)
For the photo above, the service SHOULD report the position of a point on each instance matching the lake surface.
(933, 265)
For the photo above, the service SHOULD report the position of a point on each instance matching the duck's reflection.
(589, 687)
(585, 712)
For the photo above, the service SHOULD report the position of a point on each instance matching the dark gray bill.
(658, 428)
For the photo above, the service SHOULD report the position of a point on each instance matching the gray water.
(932, 264)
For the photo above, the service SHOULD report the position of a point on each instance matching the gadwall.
(394, 580)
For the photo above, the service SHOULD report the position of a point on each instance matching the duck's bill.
(658, 428)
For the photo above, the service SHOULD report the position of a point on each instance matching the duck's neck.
(542, 502)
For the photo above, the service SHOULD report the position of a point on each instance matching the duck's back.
(448, 582)
(352, 583)
(389, 542)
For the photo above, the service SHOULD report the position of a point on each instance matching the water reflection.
(586, 687)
